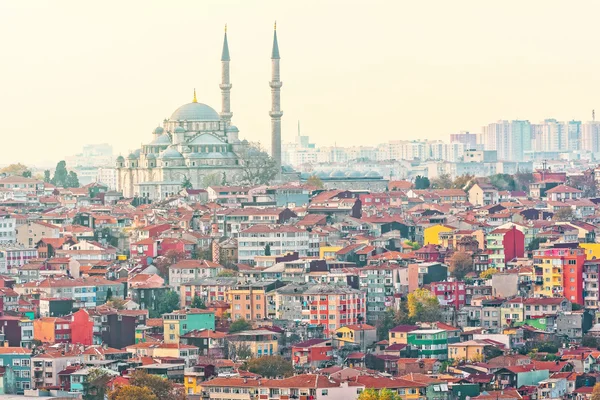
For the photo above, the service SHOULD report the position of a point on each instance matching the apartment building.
(277, 240)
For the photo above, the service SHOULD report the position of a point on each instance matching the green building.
(17, 363)
(180, 322)
(431, 343)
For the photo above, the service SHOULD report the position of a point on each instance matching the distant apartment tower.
(509, 138)
(466, 138)
(590, 136)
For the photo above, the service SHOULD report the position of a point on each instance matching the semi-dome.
(120, 159)
(195, 112)
(179, 129)
(322, 174)
(159, 130)
(232, 128)
(170, 153)
(373, 174)
(354, 174)
(132, 156)
(150, 156)
(162, 140)
(337, 174)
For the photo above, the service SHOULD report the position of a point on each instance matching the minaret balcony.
(276, 114)
(275, 85)
(225, 86)
(226, 115)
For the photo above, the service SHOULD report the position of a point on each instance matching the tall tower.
(225, 85)
(276, 112)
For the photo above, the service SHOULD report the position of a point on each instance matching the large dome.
(195, 112)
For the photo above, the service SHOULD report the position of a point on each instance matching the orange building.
(249, 302)
(52, 330)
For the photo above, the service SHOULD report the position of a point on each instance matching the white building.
(8, 229)
(281, 239)
(107, 176)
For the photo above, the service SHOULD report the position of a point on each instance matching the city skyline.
(90, 84)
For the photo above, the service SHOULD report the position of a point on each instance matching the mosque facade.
(196, 142)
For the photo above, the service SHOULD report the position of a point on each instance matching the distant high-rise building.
(509, 138)
(590, 136)
(466, 138)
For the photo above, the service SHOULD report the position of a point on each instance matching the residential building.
(180, 322)
(281, 239)
(431, 343)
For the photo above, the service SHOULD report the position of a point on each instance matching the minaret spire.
(195, 100)
(225, 85)
(276, 112)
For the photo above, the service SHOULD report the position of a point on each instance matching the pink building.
(450, 293)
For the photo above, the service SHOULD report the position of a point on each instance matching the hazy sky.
(353, 72)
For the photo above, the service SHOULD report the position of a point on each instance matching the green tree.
(223, 179)
(186, 183)
(47, 178)
(268, 249)
(315, 181)
(226, 273)
(239, 325)
(590, 341)
(94, 385)
(460, 264)
(503, 181)
(271, 366)
(523, 179)
(414, 245)
(198, 302)
(72, 180)
(423, 306)
(166, 302)
(130, 392)
(60, 174)
(422, 182)
(27, 174)
(535, 243)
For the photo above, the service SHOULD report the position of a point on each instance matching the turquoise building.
(431, 343)
(17, 363)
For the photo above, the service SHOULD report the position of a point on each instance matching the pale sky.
(353, 72)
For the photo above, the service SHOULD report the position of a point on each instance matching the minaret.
(276, 112)
(225, 85)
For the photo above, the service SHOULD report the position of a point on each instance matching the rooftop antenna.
(593, 115)
(298, 127)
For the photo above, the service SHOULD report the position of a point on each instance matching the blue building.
(17, 362)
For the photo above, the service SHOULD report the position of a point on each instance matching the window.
(324, 392)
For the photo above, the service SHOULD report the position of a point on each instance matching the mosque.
(196, 142)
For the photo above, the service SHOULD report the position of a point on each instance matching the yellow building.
(193, 379)
(592, 250)
(399, 334)
(431, 233)
(512, 311)
(471, 350)
(260, 342)
(552, 275)
(363, 335)
(328, 252)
